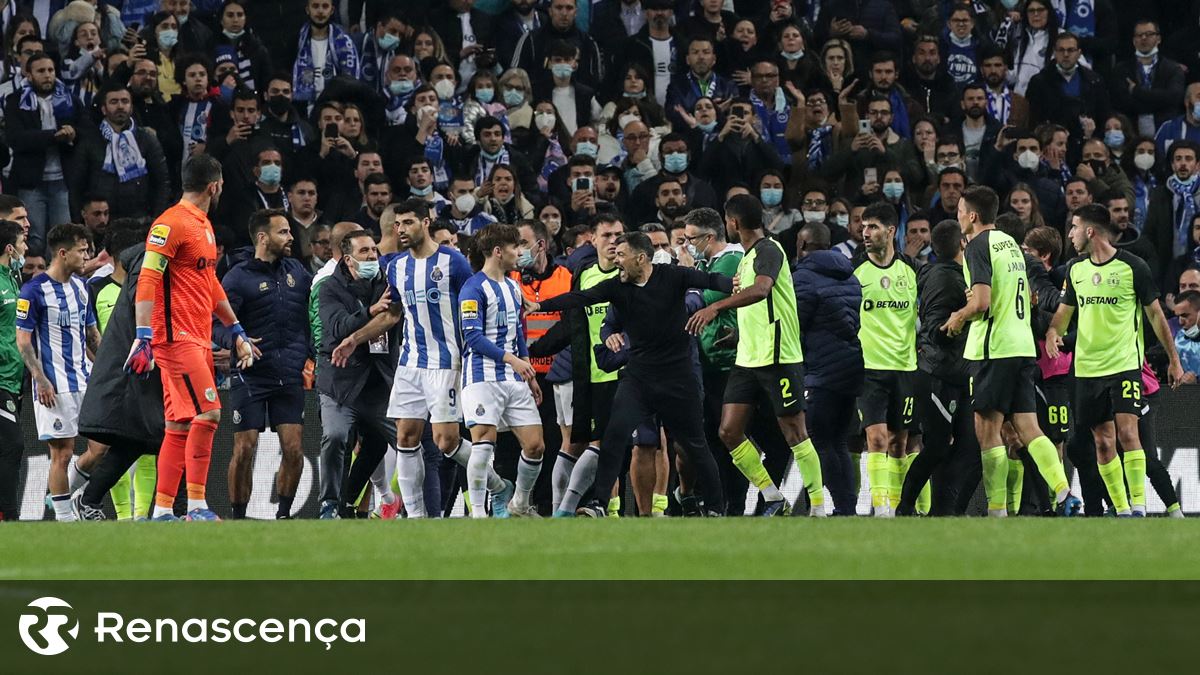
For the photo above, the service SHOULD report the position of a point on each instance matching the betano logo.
(113, 627)
(51, 642)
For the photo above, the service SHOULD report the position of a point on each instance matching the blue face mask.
(420, 192)
(368, 269)
(707, 127)
(586, 148)
(400, 87)
(270, 174)
(675, 162)
(771, 196)
(1196, 110)
(562, 70)
(168, 38)
(893, 190)
(490, 156)
(793, 56)
(388, 42)
(1114, 138)
(640, 94)
(525, 259)
(513, 97)
(233, 35)
(485, 95)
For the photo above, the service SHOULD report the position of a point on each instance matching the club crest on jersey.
(22, 308)
(158, 235)
(436, 274)
(57, 424)
(469, 309)
(291, 280)
(210, 395)
(885, 282)
(264, 287)
(1096, 279)
(12, 407)
(237, 417)
(479, 409)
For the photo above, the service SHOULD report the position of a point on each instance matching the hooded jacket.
(941, 291)
(828, 296)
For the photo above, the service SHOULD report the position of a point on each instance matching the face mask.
(182, 19)
(696, 253)
(1065, 71)
(1028, 160)
(961, 42)
(893, 190)
(232, 35)
(1196, 110)
(842, 219)
(400, 87)
(544, 121)
(661, 257)
(675, 162)
(388, 42)
(367, 269)
(587, 148)
(707, 127)
(1147, 55)
(640, 94)
(1114, 138)
(490, 156)
(420, 192)
(1192, 333)
(771, 196)
(444, 89)
(793, 56)
(626, 119)
(562, 71)
(1010, 4)
(168, 38)
(270, 174)
(1144, 162)
(525, 259)
(279, 104)
(465, 203)
(814, 216)
(513, 97)
(485, 95)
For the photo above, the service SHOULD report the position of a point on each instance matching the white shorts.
(61, 421)
(503, 405)
(418, 393)
(564, 402)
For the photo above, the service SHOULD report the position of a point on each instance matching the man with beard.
(151, 112)
(325, 52)
(520, 18)
(881, 146)
(979, 131)
(377, 194)
(271, 291)
(928, 82)
(1003, 104)
(1068, 93)
(655, 47)
(675, 158)
(700, 81)
(671, 202)
(905, 109)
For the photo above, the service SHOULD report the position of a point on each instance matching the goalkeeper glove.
(141, 355)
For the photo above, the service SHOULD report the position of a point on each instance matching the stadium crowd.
(504, 212)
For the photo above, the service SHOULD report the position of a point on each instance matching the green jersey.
(589, 277)
(103, 296)
(12, 368)
(1110, 297)
(1003, 331)
(768, 330)
(888, 315)
(714, 357)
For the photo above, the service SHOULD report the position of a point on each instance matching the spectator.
(781, 219)
(772, 107)
(1139, 165)
(319, 240)
(520, 18)
(573, 101)
(950, 186)
(518, 97)
(1068, 93)
(302, 211)
(1178, 267)
(428, 48)
(742, 148)
(464, 214)
(399, 81)
(481, 100)
(466, 33)
(651, 49)
(1172, 207)
(798, 65)
(1129, 238)
(1101, 172)
(1033, 44)
(638, 166)
(195, 37)
(868, 25)
(615, 21)
(377, 194)
(531, 50)
(917, 241)
(505, 199)
(675, 158)
(491, 150)
(14, 64)
(929, 83)
(95, 214)
(609, 193)
(1004, 104)
(837, 62)
(283, 124)
(1019, 160)
(236, 41)
(324, 51)
(1078, 193)
(1023, 201)
(1148, 87)
(699, 80)
(1185, 126)
(420, 182)
(238, 149)
(376, 48)
(671, 202)
(581, 184)
(197, 109)
(884, 71)
(124, 162)
(979, 131)
(83, 62)
(160, 37)
(41, 121)
(854, 166)
(962, 45)
(1187, 338)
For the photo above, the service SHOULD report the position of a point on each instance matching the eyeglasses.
(638, 138)
(1146, 34)
(1036, 10)
(697, 239)
(765, 76)
(879, 113)
(1065, 50)
(945, 156)
(321, 242)
(815, 202)
(146, 73)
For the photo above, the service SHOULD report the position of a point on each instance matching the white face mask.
(814, 216)
(1192, 333)
(444, 89)
(1144, 161)
(544, 121)
(465, 203)
(661, 257)
(1028, 160)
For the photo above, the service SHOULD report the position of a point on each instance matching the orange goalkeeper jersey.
(180, 274)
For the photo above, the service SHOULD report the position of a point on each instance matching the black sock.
(239, 511)
(285, 507)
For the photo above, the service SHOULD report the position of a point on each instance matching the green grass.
(796, 548)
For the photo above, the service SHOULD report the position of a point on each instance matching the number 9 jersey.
(1003, 331)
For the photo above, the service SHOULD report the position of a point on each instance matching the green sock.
(895, 469)
(1045, 455)
(120, 497)
(809, 464)
(145, 476)
(924, 498)
(1174, 507)
(1135, 475)
(1114, 480)
(659, 504)
(1016, 481)
(745, 458)
(614, 507)
(877, 476)
(995, 477)
(856, 472)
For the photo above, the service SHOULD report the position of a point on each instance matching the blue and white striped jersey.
(492, 326)
(428, 290)
(58, 315)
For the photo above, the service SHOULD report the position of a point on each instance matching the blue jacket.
(271, 301)
(828, 296)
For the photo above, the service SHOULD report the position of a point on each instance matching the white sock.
(410, 466)
(1061, 495)
(1138, 508)
(462, 457)
(477, 477)
(381, 478)
(62, 508)
(76, 478)
(998, 513)
(194, 504)
(581, 479)
(527, 475)
(162, 511)
(559, 477)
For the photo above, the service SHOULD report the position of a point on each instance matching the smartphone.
(864, 127)
(739, 112)
(331, 130)
(870, 175)
(135, 26)
(583, 183)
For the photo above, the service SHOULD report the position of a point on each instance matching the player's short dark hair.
(705, 219)
(260, 220)
(66, 236)
(494, 235)
(1044, 239)
(9, 231)
(1096, 216)
(244, 94)
(39, 56)
(442, 224)
(1012, 225)
(573, 233)
(124, 233)
(638, 241)
(8, 204)
(946, 238)
(93, 197)
(746, 210)
(414, 205)
(484, 123)
(199, 172)
(649, 228)
(539, 228)
(982, 200)
(1190, 297)
(348, 241)
(818, 234)
(375, 179)
(605, 217)
(883, 212)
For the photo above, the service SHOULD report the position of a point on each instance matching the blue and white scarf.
(341, 59)
(555, 157)
(999, 106)
(483, 168)
(1142, 187)
(1186, 193)
(135, 11)
(61, 100)
(900, 123)
(122, 156)
(369, 68)
(1079, 18)
(818, 146)
(435, 152)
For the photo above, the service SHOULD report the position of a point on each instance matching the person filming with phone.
(858, 167)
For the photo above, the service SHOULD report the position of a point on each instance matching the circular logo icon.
(436, 274)
(479, 409)
(210, 394)
(42, 630)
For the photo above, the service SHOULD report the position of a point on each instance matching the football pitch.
(696, 549)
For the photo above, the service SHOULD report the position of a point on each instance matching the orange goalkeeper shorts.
(187, 377)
